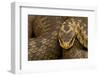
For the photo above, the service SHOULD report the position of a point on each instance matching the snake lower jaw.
(67, 45)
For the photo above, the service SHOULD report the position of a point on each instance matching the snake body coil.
(57, 37)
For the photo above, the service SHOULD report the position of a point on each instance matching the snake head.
(67, 34)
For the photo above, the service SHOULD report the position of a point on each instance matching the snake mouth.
(67, 45)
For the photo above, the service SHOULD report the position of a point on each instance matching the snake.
(44, 44)
(50, 37)
(73, 37)
(73, 28)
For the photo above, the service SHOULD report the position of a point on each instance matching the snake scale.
(57, 37)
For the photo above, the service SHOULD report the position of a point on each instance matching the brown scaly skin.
(73, 38)
(45, 25)
(75, 52)
(45, 44)
(82, 34)
(72, 28)
(43, 49)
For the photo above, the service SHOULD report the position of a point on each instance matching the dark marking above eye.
(66, 27)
